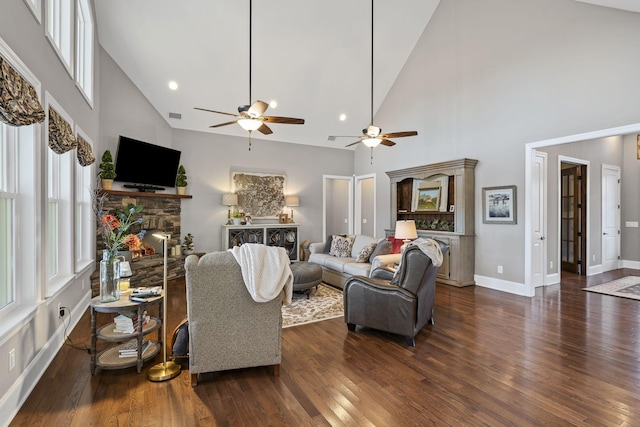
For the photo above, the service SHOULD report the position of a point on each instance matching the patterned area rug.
(323, 303)
(627, 287)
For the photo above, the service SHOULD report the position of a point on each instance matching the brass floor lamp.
(165, 370)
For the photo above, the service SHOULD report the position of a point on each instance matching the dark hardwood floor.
(564, 357)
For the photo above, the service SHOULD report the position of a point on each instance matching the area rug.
(627, 287)
(323, 303)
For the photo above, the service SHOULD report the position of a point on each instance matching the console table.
(282, 235)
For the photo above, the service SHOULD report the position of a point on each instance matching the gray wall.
(37, 333)
(488, 77)
(630, 199)
(210, 158)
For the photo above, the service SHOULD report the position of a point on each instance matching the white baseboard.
(13, 400)
(553, 279)
(594, 269)
(630, 264)
(501, 285)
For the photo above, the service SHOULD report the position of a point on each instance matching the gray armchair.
(402, 305)
(227, 328)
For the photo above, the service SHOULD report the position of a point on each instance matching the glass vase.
(110, 276)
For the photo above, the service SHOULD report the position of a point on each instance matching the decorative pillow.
(395, 244)
(341, 246)
(366, 252)
(383, 248)
(327, 246)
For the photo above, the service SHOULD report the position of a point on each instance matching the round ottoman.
(306, 275)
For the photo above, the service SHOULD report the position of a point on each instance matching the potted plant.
(237, 217)
(187, 245)
(181, 180)
(107, 171)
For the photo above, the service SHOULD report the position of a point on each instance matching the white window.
(59, 211)
(36, 8)
(84, 49)
(59, 30)
(19, 183)
(85, 234)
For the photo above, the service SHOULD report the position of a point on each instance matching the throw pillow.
(383, 248)
(327, 246)
(366, 252)
(341, 246)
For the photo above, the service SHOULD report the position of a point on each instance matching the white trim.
(86, 38)
(7, 53)
(630, 264)
(20, 390)
(618, 171)
(552, 279)
(358, 202)
(501, 285)
(529, 148)
(324, 201)
(35, 6)
(594, 269)
(50, 35)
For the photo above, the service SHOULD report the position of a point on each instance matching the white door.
(337, 206)
(538, 218)
(365, 205)
(610, 217)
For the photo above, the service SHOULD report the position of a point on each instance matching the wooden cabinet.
(453, 223)
(282, 235)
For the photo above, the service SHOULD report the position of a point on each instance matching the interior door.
(538, 218)
(610, 217)
(337, 214)
(573, 218)
(365, 205)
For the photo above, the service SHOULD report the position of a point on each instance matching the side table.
(110, 358)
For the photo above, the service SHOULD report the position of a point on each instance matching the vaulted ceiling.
(312, 58)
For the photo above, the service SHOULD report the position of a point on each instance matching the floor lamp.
(165, 370)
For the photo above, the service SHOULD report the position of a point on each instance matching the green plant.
(181, 178)
(188, 241)
(236, 214)
(107, 169)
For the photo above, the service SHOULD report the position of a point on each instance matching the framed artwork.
(427, 197)
(283, 218)
(259, 194)
(499, 205)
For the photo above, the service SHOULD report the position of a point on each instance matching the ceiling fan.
(250, 117)
(372, 136)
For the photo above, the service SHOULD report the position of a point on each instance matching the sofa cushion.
(360, 242)
(383, 248)
(366, 252)
(358, 268)
(319, 258)
(337, 264)
(341, 246)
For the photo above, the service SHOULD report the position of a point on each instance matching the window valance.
(61, 138)
(19, 104)
(84, 152)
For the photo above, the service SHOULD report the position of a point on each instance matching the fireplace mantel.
(145, 194)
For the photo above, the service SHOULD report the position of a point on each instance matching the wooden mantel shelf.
(145, 194)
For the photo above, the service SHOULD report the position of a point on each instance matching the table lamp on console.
(229, 200)
(406, 231)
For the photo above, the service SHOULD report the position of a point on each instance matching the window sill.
(15, 319)
(57, 284)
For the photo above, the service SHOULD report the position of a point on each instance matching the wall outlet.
(12, 359)
(550, 265)
(500, 269)
(60, 311)
(364, 220)
(594, 258)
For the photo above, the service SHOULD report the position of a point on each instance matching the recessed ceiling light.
(343, 117)
(173, 85)
(273, 104)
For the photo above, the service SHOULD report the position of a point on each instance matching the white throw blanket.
(430, 248)
(265, 270)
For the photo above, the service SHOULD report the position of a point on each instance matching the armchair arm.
(384, 273)
(376, 286)
(383, 260)
(316, 248)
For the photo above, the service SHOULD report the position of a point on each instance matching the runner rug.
(627, 287)
(323, 303)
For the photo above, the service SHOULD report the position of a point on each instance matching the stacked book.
(130, 348)
(146, 292)
(127, 322)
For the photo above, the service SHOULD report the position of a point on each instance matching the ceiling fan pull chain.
(249, 140)
(371, 155)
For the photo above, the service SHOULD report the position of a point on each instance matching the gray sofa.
(336, 270)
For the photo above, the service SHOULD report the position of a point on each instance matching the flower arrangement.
(116, 229)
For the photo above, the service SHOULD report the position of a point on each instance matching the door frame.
(528, 155)
(587, 239)
(358, 202)
(618, 171)
(349, 202)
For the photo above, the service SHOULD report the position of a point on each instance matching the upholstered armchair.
(400, 304)
(227, 328)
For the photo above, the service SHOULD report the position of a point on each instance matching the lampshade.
(371, 142)
(292, 200)
(406, 230)
(230, 199)
(249, 124)
(125, 269)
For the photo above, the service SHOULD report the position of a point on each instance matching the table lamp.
(292, 201)
(406, 230)
(229, 200)
(165, 370)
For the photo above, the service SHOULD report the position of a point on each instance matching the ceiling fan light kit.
(250, 117)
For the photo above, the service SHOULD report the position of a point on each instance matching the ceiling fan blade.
(285, 120)
(257, 109)
(353, 143)
(399, 134)
(223, 124)
(264, 129)
(387, 143)
(217, 112)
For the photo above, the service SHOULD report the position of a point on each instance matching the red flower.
(132, 241)
(111, 221)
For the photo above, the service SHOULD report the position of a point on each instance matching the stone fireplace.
(161, 213)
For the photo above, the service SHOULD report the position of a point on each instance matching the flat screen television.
(146, 165)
